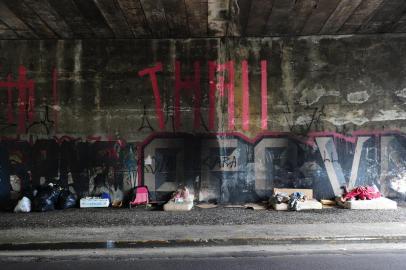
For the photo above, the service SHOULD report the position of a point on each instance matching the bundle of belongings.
(365, 197)
(96, 202)
(181, 200)
(293, 200)
(46, 198)
(362, 193)
(140, 197)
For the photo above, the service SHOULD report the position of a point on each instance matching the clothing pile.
(291, 200)
(181, 200)
(296, 197)
(278, 198)
(181, 194)
(362, 193)
(365, 198)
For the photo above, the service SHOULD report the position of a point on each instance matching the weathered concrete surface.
(244, 251)
(100, 92)
(332, 259)
(189, 234)
(197, 18)
(218, 216)
(338, 101)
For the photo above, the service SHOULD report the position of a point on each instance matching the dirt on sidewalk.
(216, 216)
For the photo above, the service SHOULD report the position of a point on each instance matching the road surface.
(332, 260)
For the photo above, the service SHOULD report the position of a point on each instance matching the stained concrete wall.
(314, 112)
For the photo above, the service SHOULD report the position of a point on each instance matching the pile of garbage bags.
(47, 198)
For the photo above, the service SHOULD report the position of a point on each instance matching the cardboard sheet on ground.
(206, 205)
(234, 206)
(375, 204)
(328, 202)
(255, 206)
(330, 206)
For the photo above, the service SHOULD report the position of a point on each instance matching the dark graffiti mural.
(84, 167)
(232, 168)
(218, 167)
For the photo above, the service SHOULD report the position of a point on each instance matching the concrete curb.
(198, 235)
(201, 243)
(248, 251)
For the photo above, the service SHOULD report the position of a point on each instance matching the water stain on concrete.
(358, 97)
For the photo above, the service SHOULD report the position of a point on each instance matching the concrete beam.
(73, 17)
(258, 17)
(47, 14)
(115, 18)
(31, 19)
(135, 16)
(361, 15)
(14, 23)
(343, 11)
(321, 12)
(386, 16)
(196, 11)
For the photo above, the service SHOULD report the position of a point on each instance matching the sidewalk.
(126, 228)
(210, 235)
(109, 217)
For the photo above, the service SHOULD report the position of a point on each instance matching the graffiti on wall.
(222, 167)
(221, 80)
(241, 169)
(225, 167)
(85, 167)
(21, 91)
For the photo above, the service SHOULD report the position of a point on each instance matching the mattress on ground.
(381, 203)
(306, 205)
(176, 206)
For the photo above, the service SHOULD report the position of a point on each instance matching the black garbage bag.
(46, 198)
(66, 200)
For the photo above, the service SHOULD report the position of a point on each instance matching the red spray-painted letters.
(221, 79)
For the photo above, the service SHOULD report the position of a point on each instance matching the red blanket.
(362, 193)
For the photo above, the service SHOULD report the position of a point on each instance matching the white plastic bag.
(23, 206)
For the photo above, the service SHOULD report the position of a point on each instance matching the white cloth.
(23, 206)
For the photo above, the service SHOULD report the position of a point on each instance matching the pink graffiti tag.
(26, 102)
(55, 97)
(221, 79)
(221, 85)
(188, 84)
(10, 116)
(245, 97)
(151, 72)
(264, 95)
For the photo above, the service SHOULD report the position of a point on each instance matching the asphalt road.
(382, 260)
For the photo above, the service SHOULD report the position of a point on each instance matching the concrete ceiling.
(84, 19)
